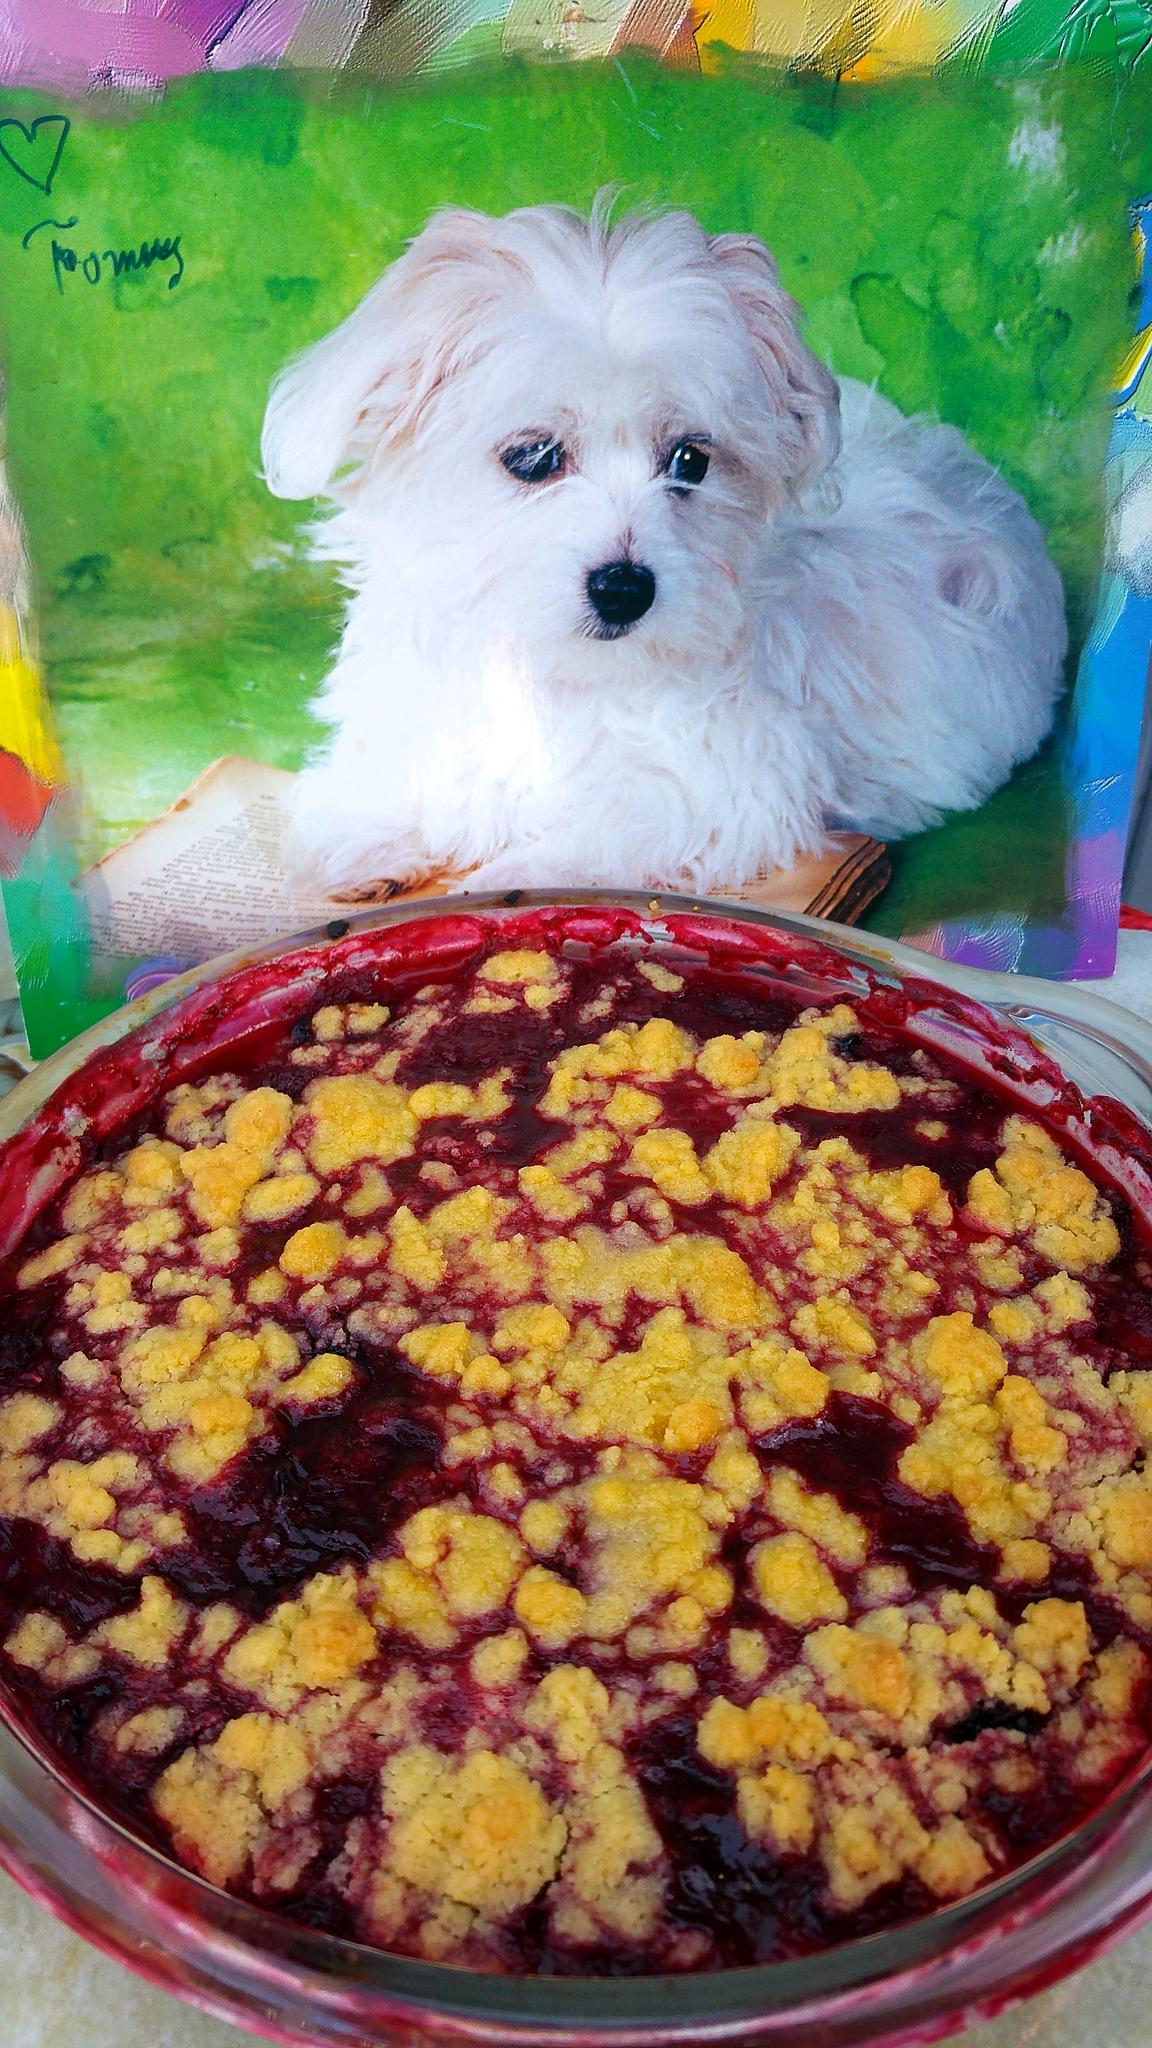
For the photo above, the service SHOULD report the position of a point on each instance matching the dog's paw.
(531, 867)
(366, 895)
(350, 859)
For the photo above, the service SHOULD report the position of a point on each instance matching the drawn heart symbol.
(34, 153)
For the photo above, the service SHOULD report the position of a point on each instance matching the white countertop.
(56, 1992)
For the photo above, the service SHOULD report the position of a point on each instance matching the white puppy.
(638, 595)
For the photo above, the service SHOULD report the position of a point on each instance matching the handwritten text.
(98, 264)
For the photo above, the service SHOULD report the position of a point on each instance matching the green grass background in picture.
(962, 242)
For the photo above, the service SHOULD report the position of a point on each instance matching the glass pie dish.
(916, 1982)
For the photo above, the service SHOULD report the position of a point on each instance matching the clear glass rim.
(550, 2006)
(536, 2006)
(1015, 996)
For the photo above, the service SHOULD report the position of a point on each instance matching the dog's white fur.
(855, 618)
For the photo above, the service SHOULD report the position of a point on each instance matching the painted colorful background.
(962, 239)
(65, 45)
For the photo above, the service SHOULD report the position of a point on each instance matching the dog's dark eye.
(535, 462)
(687, 463)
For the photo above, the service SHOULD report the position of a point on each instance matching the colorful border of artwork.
(70, 48)
(1099, 765)
(68, 45)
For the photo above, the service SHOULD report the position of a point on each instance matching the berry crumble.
(580, 1467)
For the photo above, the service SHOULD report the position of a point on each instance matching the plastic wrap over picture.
(466, 485)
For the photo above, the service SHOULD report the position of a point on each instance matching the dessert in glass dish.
(595, 1448)
(560, 1463)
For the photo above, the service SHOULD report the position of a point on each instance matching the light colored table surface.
(56, 1992)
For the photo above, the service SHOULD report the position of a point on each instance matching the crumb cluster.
(579, 1470)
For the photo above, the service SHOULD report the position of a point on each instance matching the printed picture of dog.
(639, 594)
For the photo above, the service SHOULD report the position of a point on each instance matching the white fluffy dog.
(639, 596)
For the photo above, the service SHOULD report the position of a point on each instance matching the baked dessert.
(580, 1467)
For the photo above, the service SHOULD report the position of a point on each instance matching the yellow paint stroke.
(1135, 363)
(24, 726)
(863, 39)
(855, 39)
(908, 38)
(728, 24)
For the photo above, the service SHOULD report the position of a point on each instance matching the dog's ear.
(800, 387)
(342, 402)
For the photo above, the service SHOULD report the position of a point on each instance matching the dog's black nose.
(620, 593)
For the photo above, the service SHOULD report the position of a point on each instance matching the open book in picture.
(210, 876)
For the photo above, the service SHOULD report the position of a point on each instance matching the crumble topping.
(583, 1467)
